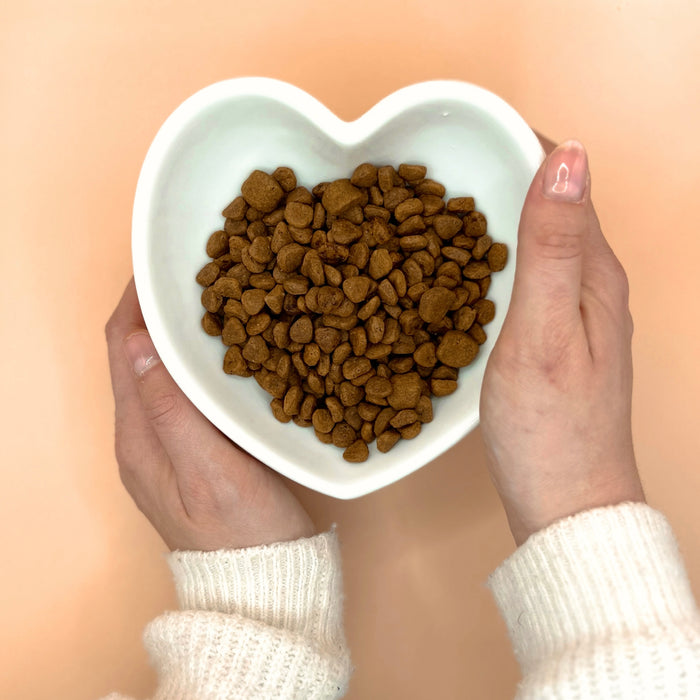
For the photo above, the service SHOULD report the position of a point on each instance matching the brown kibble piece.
(425, 355)
(464, 317)
(211, 324)
(443, 387)
(380, 263)
(343, 434)
(403, 418)
(387, 440)
(322, 420)
(447, 226)
(211, 300)
(481, 247)
(412, 172)
(349, 394)
(339, 196)
(485, 311)
(233, 332)
(298, 214)
(424, 409)
(278, 411)
(256, 350)
(357, 288)
(262, 191)
(286, 178)
(253, 300)
(475, 224)
(457, 349)
(344, 232)
(302, 330)
(406, 390)
(236, 209)
(435, 303)
(208, 274)
(217, 244)
(357, 452)
(497, 256)
(460, 205)
(410, 431)
(353, 367)
(365, 175)
(234, 363)
(476, 270)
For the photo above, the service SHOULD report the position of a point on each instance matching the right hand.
(556, 398)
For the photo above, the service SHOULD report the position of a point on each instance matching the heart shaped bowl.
(470, 140)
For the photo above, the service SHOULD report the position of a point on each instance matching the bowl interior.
(470, 141)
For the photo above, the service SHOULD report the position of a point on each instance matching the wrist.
(528, 516)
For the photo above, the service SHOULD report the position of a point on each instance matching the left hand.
(197, 488)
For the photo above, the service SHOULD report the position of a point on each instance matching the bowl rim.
(346, 134)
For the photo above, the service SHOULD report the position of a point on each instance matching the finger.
(142, 460)
(197, 450)
(552, 236)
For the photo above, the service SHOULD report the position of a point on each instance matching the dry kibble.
(410, 431)
(435, 303)
(286, 177)
(365, 175)
(406, 390)
(412, 172)
(351, 303)
(424, 409)
(460, 205)
(456, 349)
(476, 270)
(234, 363)
(262, 191)
(208, 274)
(322, 420)
(357, 288)
(339, 196)
(485, 311)
(387, 440)
(380, 263)
(211, 324)
(343, 434)
(497, 257)
(233, 332)
(278, 411)
(236, 209)
(357, 452)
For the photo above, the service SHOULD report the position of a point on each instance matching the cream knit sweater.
(597, 606)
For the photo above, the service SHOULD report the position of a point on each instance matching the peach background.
(84, 86)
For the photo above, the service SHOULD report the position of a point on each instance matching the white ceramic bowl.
(471, 141)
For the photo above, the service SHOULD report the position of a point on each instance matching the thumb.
(186, 435)
(552, 234)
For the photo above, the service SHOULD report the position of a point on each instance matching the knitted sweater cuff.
(296, 586)
(261, 623)
(607, 571)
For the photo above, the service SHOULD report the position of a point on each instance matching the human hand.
(556, 397)
(197, 488)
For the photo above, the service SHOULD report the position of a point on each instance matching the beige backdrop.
(84, 87)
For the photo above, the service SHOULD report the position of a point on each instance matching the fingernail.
(566, 173)
(141, 352)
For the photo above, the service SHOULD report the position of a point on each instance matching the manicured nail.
(566, 173)
(141, 352)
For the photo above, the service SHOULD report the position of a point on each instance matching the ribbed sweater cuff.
(603, 572)
(296, 586)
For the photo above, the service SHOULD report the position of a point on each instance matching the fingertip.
(141, 352)
(565, 176)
